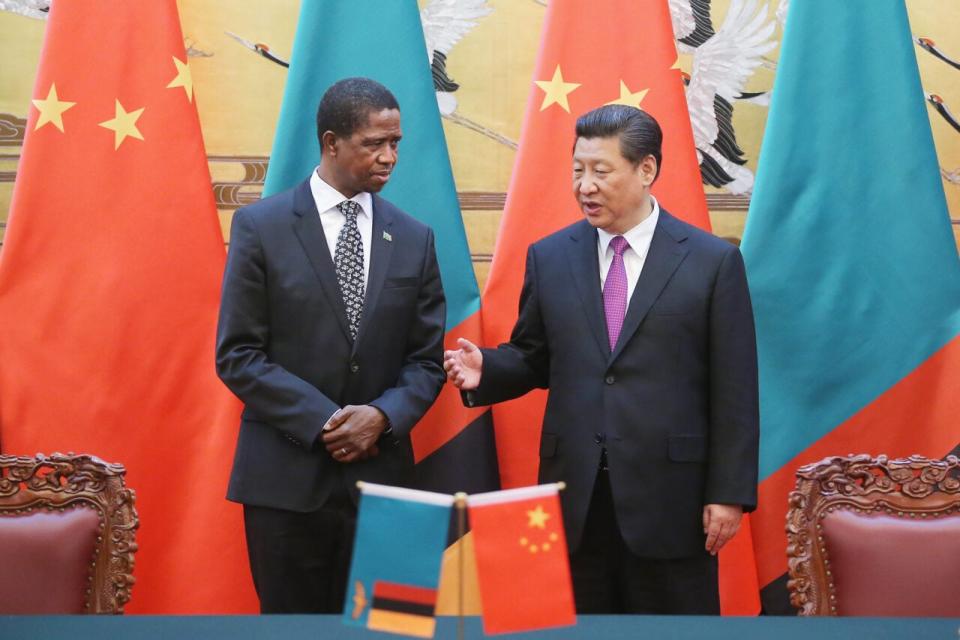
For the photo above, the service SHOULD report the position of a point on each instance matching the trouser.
(301, 561)
(608, 578)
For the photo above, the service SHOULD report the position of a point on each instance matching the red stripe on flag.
(404, 592)
(447, 417)
(739, 587)
(918, 415)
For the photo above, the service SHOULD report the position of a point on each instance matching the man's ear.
(648, 170)
(328, 144)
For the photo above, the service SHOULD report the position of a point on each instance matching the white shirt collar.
(638, 236)
(326, 197)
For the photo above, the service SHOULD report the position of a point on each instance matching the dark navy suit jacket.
(675, 403)
(283, 347)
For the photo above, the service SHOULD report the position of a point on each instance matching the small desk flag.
(401, 535)
(522, 561)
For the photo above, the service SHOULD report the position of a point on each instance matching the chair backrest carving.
(65, 500)
(874, 536)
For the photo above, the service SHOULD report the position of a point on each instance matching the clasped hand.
(350, 435)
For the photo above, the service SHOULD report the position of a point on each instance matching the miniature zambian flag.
(401, 535)
(522, 562)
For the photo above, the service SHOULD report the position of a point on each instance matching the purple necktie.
(615, 291)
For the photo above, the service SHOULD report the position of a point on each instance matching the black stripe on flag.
(403, 606)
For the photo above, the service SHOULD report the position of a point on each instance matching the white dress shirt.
(639, 238)
(332, 219)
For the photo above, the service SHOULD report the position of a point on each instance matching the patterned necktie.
(348, 258)
(615, 291)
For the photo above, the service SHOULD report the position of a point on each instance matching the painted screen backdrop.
(239, 94)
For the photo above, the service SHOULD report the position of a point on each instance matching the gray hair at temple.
(639, 134)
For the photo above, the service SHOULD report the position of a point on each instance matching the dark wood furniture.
(67, 535)
(874, 536)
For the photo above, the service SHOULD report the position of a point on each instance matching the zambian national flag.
(851, 260)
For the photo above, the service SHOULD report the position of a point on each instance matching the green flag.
(850, 256)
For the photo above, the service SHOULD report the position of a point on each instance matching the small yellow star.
(123, 124)
(629, 98)
(51, 109)
(538, 518)
(676, 64)
(183, 79)
(556, 90)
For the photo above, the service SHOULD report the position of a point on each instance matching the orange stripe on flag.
(918, 415)
(409, 624)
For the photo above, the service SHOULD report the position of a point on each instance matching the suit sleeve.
(734, 401)
(523, 364)
(270, 392)
(421, 376)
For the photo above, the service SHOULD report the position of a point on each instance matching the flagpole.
(460, 502)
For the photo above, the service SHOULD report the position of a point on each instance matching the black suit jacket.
(283, 347)
(675, 403)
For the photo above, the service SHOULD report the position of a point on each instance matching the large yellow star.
(629, 98)
(183, 78)
(51, 109)
(556, 90)
(538, 518)
(123, 124)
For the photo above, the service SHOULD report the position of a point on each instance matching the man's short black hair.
(639, 134)
(346, 105)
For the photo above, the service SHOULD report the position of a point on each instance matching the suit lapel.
(585, 266)
(309, 231)
(665, 255)
(381, 249)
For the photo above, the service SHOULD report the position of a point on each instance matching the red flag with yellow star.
(591, 54)
(521, 556)
(109, 288)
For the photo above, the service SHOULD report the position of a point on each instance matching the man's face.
(611, 191)
(364, 160)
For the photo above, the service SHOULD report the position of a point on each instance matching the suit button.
(354, 367)
(610, 379)
(598, 438)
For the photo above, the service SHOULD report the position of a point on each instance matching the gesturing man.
(640, 326)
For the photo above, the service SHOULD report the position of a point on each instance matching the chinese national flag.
(109, 288)
(522, 562)
(591, 54)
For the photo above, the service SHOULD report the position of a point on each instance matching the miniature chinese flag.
(522, 561)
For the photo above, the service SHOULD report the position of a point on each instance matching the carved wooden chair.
(875, 537)
(67, 535)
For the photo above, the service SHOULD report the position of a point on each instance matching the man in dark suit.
(331, 332)
(641, 327)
